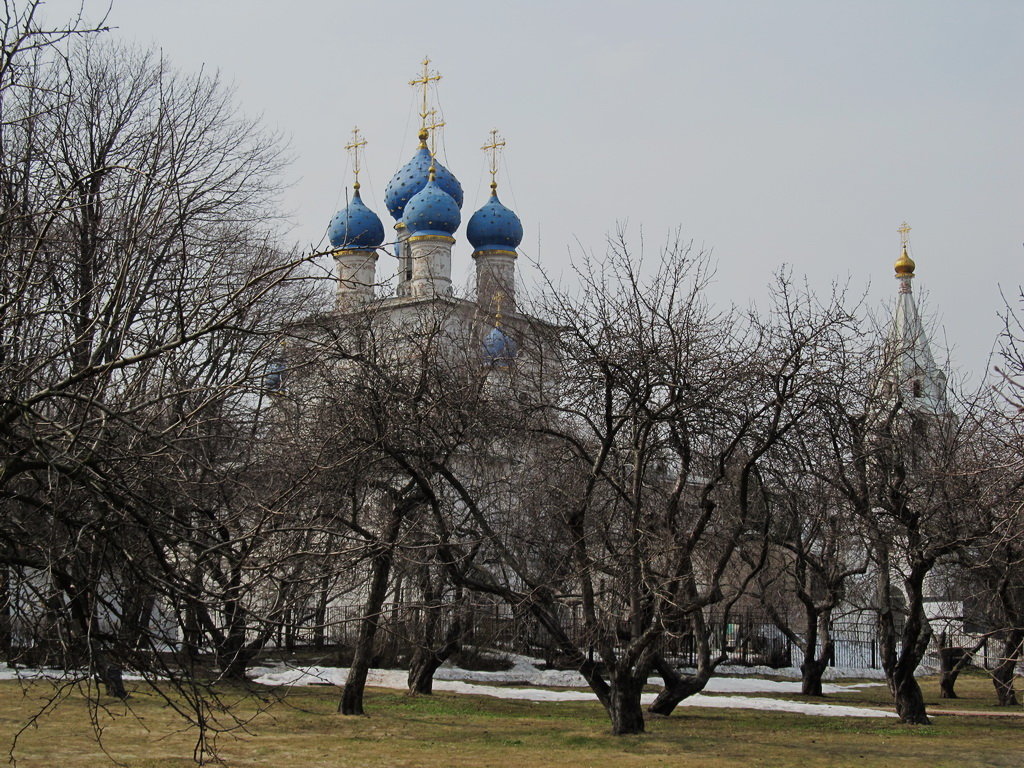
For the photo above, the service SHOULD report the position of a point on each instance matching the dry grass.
(452, 730)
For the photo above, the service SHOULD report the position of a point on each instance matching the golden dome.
(904, 265)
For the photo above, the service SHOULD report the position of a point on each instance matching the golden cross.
(496, 144)
(424, 82)
(904, 230)
(432, 124)
(354, 146)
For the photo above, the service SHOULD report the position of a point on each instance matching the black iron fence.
(745, 639)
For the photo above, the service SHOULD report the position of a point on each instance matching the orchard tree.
(818, 551)
(994, 562)
(388, 403)
(644, 443)
(141, 298)
(895, 458)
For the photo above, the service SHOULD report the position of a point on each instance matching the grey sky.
(772, 132)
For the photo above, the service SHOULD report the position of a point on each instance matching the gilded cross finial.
(423, 82)
(357, 143)
(904, 264)
(431, 124)
(492, 149)
(904, 231)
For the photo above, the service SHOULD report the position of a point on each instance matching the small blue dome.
(412, 177)
(494, 227)
(273, 379)
(355, 226)
(499, 347)
(432, 211)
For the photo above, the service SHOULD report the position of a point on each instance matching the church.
(425, 200)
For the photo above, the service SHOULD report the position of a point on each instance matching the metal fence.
(745, 639)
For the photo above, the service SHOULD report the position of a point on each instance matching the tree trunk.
(320, 635)
(426, 660)
(819, 632)
(947, 683)
(422, 666)
(1003, 674)
(677, 687)
(108, 673)
(950, 664)
(355, 684)
(901, 652)
(352, 697)
(907, 695)
(191, 628)
(812, 667)
(112, 677)
(624, 706)
(910, 703)
(620, 693)
(233, 662)
(232, 656)
(811, 671)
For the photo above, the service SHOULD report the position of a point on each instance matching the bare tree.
(994, 562)
(897, 468)
(818, 550)
(394, 395)
(646, 444)
(142, 295)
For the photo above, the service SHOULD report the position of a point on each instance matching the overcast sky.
(784, 132)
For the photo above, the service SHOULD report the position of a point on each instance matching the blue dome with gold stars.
(494, 227)
(412, 177)
(355, 226)
(498, 346)
(432, 211)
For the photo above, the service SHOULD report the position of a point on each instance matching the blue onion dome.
(412, 177)
(494, 227)
(355, 226)
(498, 346)
(432, 211)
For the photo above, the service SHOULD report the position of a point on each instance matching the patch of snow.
(831, 673)
(457, 680)
(29, 673)
(17, 673)
(759, 685)
(782, 705)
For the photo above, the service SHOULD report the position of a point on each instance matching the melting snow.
(536, 685)
(525, 672)
(46, 673)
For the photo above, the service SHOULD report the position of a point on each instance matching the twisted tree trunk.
(1005, 670)
(677, 686)
(427, 659)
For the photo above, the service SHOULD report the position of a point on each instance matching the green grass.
(454, 730)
